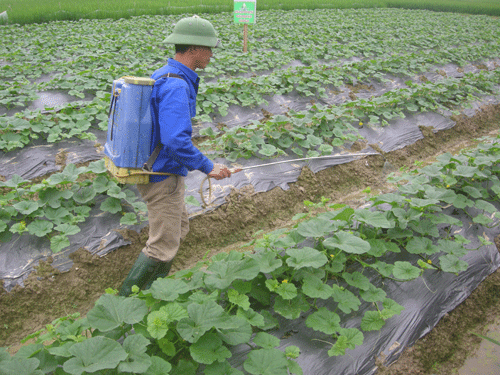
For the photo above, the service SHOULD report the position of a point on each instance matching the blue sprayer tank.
(128, 142)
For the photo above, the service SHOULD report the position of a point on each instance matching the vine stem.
(429, 289)
(323, 341)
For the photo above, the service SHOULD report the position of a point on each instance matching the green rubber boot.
(139, 275)
(162, 269)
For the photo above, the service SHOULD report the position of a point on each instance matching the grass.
(33, 11)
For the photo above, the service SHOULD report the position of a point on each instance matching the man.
(173, 104)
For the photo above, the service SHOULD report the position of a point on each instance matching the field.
(416, 90)
(31, 11)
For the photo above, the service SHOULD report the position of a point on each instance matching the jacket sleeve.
(174, 120)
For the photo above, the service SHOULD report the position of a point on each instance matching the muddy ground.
(49, 294)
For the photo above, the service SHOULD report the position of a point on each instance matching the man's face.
(201, 56)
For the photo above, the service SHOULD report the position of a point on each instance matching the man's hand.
(220, 171)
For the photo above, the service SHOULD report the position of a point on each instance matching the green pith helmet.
(194, 31)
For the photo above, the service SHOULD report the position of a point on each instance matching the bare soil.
(49, 294)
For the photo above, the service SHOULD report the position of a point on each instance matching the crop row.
(322, 269)
(53, 207)
(76, 118)
(320, 128)
(18, 91)
(92, 48)
(316, 80)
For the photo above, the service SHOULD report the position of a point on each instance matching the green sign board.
(244, 11)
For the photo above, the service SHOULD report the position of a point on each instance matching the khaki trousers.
(168, 219)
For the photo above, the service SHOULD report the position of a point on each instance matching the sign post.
(244, 12)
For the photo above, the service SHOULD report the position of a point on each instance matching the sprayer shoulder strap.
(148, 166)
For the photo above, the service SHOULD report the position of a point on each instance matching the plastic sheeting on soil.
(425, 300)
(19, 256)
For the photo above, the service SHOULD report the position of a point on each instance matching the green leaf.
(166, 346)
(421, 245)
(485, 206)
(266, 341)
(405, 271)
(58, 215)
(462, 201)
(97, 167)
(305, 257)
(158, 322)
(482, 220)
(383, 268)
(374, 218)
(19, 228)
(209, 349)
(270, 321)
(372, 321)
(94, 354)
(116, 192)
(63, 350)
(221, 368)
(292, 351)
(315, 228)
(472, 191)
(138, 361)
(20, 366)
(186, 367)
(14, 182)
(129, 218)
(26, 207)
(337, 264)
(267, 261)
(67, 229)
(111, 312)
(240, 331)
(291, 308)
(347, 242)
(51, 196)
(451, 263)
(40, 228)
(465, 171)
(158, 367)
(251, 316)
(391, 308)
(348, 339)
(346, 300)
(112, 205)
(203, 318)
(268, 150)
(452, 247)
(324, 320)
(425, 227)
(72, 172)
(357, 280)
(286, 290)
(238, 299)
(84, 195)
(58, 243)
(373, 294)
(167, 289)
(221, 274)
(102, 184)
(314, 287)
(266, 362)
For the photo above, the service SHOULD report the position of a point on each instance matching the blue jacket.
(173, 104)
